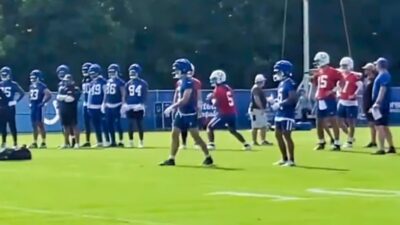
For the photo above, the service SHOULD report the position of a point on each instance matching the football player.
(115, 91)
(223, 100)
(85, 91)
(285, 106)
(257, 110)
(325, 80)
(68, 97)
(350, 87)
(187, 116)
(134, 103)
(39, 95)
(10, 89)
(197, 86)
(381, 106)
(95, 103)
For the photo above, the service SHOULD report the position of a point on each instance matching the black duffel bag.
(22, 153)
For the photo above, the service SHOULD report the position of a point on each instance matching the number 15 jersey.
(326, 80)
(225, 104)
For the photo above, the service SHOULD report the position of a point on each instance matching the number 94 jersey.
(326, 80)
(225, 104)
(136, 91)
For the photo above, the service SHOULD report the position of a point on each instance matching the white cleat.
(247, 147)
(76, 146)
(197, 147)
(140, 145)
(347, 145)
(280, 163)
(211, 147)
(182, 147)
(64, 147)
(289, 164)
(98, 145)
(131, 144)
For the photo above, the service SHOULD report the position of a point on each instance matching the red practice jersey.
(225, 104)
(326, 79)
(349, 86)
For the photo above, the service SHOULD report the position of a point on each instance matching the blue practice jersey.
(85, 89)
(10, 88)
(96, 92)
(113, 91)
(136, 91)
(37, 93)
(191, 106)
(382, 80)
(287, 111)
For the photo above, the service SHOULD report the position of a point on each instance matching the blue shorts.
(221, 121)
(384, 120)
(186, 122)
(36, 114)
(113, 113)
(347, 112)
(284, 125)
(331, 108)
(95, 114)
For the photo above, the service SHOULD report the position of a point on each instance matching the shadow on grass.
(322, 168)
(235, 150)
(357, 152)
(210, 167)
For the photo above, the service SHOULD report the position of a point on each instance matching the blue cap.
(382, 63)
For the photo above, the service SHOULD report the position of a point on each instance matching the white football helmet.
(217, 77)
(321, 59)
(192, 73)
(346, 64)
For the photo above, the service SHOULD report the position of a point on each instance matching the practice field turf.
(102, 187)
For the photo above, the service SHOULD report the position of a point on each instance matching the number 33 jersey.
(326, 79)
(136, 91)
(224, 101)
(36, 93)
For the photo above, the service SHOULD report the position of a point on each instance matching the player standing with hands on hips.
(186, 117)
(381, 108)
(284, 106)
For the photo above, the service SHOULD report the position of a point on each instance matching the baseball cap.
(369, 66)
(259, 78)
(382, 63)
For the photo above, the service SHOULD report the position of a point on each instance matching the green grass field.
(102, 187)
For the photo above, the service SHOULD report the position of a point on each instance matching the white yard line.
(353, 192)
(391, 192)
(256, 195)
(83, 216)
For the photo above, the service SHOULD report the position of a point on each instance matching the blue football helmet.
(182, 67)
(282, 70)
(62, 70)
(85, 69)
(134, 71)
(94, 71)
(6, 73)
(35, 76)
(68, 79)
(113, 70)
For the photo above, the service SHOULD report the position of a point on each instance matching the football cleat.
(98, 145)
(379, 152)
(289, 163)
(266, 143)
(247, 147)
(43, 145)
(320, 146)
(33, 146)
(211, 146)
(168, 162)
(348, 145)
(391, 150)
(76, 146)
(121, 144)
(335, 148)
(371, 145)
(280, 163)
(182, 147)
(86, 145)
(140, 145)
(63, 147)
(208, 161)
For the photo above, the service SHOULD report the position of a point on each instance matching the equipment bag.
(15, 155)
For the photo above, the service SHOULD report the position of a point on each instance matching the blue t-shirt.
(191, 106)
(136, 91)
(113, 90)
(284, 89)
(10, 88)
(96, 91)
(382, 80)
(37, 93)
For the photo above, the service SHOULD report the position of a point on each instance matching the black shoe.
(379, 152)
(320, 146)
(335, 148)
(256, 144)
(266, 143)
(371, 145)
(86, 145)
(208, 161)
(121, 145)
(33, 146)
(113, 145)
(391, 150)
(43, 146)
(332, 142)
(168, 162)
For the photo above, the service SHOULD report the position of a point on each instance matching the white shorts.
(258, 119)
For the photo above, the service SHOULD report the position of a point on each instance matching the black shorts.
(69, 117)
(135, 115)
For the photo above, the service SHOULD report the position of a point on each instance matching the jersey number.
(95, 89)
(34, 94)
(7, 91)
(323, 81)
(346, 85)
(86, 88)
(230, 99)
(111, 89)
(135, 90)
